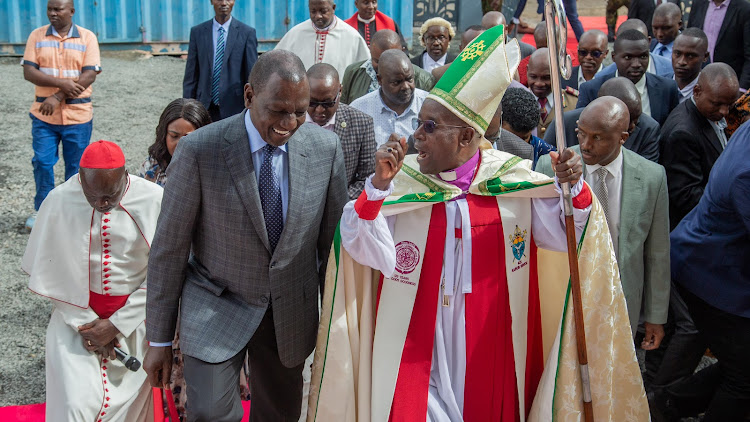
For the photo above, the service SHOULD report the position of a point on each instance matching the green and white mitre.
(475, 82)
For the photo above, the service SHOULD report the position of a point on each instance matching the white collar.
(581, 79)
(640, 86)
(224, 25)
(359, 18)
(614, 168)
(329, 124)
(688, 90)
(438, 62)
(256, 141)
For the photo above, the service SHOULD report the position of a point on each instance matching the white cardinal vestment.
(93, 265)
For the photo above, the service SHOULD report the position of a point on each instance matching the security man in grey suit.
(643, 129)
(633, 194)
(221, 55)
(251, 207)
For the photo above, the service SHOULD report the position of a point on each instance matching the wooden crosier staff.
(561, 66)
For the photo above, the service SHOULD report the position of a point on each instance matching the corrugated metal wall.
(145, 22)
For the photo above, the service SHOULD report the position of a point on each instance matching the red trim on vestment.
(491, 392)
(366, 209)
(412, 385)
(583, 199)
(534, 343)
(382, 21)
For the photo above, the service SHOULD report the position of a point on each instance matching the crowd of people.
(336, 195)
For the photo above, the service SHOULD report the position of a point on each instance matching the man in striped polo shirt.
(62, 60)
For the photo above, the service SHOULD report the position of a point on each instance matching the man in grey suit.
(643, 129)
(504, 140)
(252, 206)
(633, 193)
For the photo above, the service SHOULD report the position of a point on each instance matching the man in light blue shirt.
(666, 26)
(397, 102)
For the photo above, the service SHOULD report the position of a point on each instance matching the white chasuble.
(93, 265)
(338, 45)
(474, 301)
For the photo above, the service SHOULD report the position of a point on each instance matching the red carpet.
(588, 22)
(35, 413)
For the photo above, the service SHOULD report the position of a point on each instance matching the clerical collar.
(326, 29)
(461, 177)
(359, 18)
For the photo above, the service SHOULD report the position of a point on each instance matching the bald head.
(540, 35)
(602, 130)
(468, 36)
(666, 22)
(492, 19)
(636, 24)
(392, 59)
(324, 72)
(624, 90)
(386, 39)
(716, 90)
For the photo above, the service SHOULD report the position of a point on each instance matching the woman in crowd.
(179, 118)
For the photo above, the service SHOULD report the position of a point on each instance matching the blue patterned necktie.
(218, 62)
(270, 198)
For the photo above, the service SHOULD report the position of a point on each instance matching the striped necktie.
(601, 191)
(543, 108)
(218, 62)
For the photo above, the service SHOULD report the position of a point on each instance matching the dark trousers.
(723, 388)
(276, 391)
(681, 350)
(215, 112)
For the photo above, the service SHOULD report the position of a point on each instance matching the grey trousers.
(276, 391)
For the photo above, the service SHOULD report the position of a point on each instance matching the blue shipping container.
(163, 26)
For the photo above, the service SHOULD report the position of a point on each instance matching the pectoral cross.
(446, 298)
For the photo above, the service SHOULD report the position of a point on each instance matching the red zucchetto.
(102, 155)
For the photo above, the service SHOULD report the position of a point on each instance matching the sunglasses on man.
(430, 125)
(325, 104)
(594, 53)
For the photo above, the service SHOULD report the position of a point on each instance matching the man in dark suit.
(435, 35)
(693, 137)
(728, 38)
(354, 128)
(592, 50)
(665, 26)
(252, 205)
(710, 266)
(643, 131)
(221, 55)
(504, 140)
(659, 95)
(644, 10)
(657, 65)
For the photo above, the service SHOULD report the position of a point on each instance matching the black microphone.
(130, 362)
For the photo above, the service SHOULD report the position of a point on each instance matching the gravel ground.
(129, 96)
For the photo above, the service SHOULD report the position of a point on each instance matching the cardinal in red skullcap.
(87, 254)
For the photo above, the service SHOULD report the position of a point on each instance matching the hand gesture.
(97, 334)
(567, 166)
(70, 88)
(388, 161)
(158, 365)
(108, 350)
(653, 337)
(48, 106)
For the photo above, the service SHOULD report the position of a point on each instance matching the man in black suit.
(665, 25)
(592, 50)
(659, 95)
(644, 10)
(221, 54)
(729, 39)
(693, 137)
(643, 130)
(354, 128)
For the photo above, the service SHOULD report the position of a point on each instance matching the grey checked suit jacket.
(643, 255)
(512, 144)
(212, 206)
(357, 134)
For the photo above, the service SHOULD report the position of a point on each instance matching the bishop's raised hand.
(388, 161)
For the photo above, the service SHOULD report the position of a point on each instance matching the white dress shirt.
(687, 91)
(582, 79)
(387, 121)
(613, 180)
(429, 64)
(643, 92)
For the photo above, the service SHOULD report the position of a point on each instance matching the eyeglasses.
(594, 53)
(325, 104)
(430, 38)
(430, 125)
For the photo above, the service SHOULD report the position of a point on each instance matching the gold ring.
(571, 171)
(89, 341)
